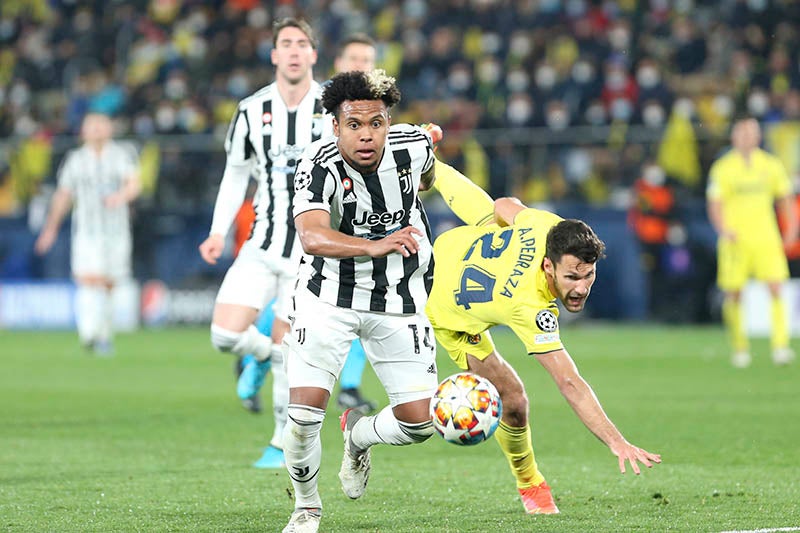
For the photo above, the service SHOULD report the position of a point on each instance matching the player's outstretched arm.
(468, 202)
(583, 401)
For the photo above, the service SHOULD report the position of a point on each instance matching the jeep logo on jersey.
(374, 219)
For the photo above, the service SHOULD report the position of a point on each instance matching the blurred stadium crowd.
(591, 101)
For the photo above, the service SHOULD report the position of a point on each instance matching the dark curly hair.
(574, 237)
(372, 85)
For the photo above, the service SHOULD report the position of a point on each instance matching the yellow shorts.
(737, 262)
(458, 344)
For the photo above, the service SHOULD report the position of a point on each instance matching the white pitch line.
(765, 530)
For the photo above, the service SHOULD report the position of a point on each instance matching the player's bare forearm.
(59, 207)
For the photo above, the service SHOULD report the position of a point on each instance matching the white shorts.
(101, 257)
(400, 348)
(255, 278)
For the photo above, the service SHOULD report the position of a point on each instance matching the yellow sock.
(469, 202)
(517, 447)
(780, 326)
(734, 321)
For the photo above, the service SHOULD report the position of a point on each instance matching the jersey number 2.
(477, 285)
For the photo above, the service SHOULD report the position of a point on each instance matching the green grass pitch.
(154, 439)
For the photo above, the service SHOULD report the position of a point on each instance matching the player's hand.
(626, 451)
(401, 241)
(211, 248)
(435, 132)
(45, 241)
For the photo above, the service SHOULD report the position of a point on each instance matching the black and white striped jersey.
(90, 177)
(271, 138)
(370, 206)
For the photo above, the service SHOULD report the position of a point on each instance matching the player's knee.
(223, 339)
(303, 422)
(416, 433)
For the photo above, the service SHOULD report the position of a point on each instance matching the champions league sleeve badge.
(546, 320)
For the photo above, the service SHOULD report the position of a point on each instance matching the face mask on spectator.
(19, 95)
(619, 38)
(520, 45)
(519, 111)
(621, 109)
(517, 81)
(723, 105)
(648, 77)
(489, 71)
(491, 43)
(595, 115)
(758, 104)
(577, 165)
(684, 107)
(258, 18)
(549, 6)
(757, 5)
(654, 175)
(165, 118)
(143, 125)
(615, 80)
(175, 88)
(545, 77)
(459, 80)
(557, 119)
(583, 72)
(653, 115)
(238, 85)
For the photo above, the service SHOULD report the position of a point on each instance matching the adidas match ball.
(466, 409)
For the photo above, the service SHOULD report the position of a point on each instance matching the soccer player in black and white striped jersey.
(365, 274)
(101, 179)
(267, 135)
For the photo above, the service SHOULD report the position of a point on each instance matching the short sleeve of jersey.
(714, 187)
(67, 175)
(313, 187)
(781, 185)
(430, 157)
(537, 328)
(237, 142)
(128, 160)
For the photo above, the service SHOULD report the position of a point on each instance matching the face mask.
(489, 71)
(582, 72)
(165, 118)
(557, 120)
(648, 77)
(653, 116)
(258, 18)
(519, 111)
(619, 38)
(621, 109)
(723, 105)
(757, 5)
(143, 125)
(684, 107)
(575, 8)
(577, 166)
(491, 43)
(615, 80)
(545, 77)
(549, 6)
(19, 95)
(520, 45)
(595, 115)
(175, 88)
(517, 81)
(654, 175)
(758, 104)
(459, 80)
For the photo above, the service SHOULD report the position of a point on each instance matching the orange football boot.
(538, 499)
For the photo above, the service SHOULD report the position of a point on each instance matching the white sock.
(241, 343)
(88, 309)
(105, 328)
(302, 449)
(280, 396)
(384, 428)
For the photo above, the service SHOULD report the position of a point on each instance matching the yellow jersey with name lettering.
(489, 276)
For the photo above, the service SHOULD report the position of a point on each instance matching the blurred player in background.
(101, 179)
(511, 273)
(365, 274)
(267, 136)
(357, 52)
(743, 186)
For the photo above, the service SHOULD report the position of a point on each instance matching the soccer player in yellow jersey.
(510, 272)
(743, 186)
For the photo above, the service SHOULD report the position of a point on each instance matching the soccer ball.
(466, 409)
